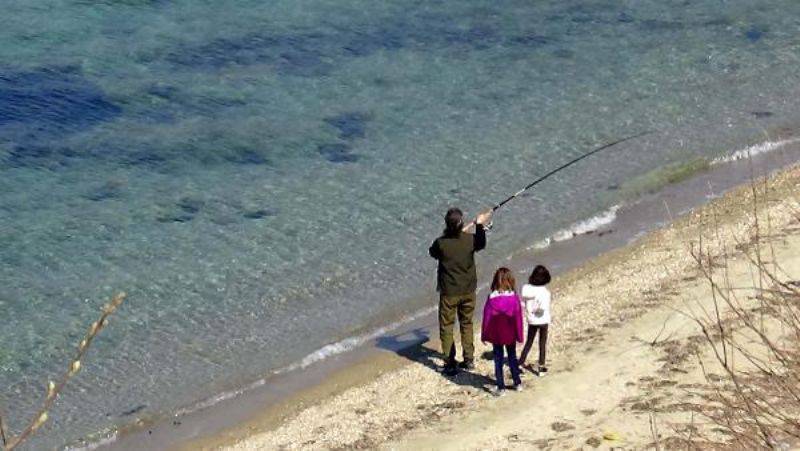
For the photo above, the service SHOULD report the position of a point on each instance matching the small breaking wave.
(325, 352)
(348, 344)
(579, 228)
(755, 149)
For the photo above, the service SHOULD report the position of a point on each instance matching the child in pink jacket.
(502, 326)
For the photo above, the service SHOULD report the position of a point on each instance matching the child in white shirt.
(536, 304)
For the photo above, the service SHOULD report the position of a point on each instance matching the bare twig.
(54, 389)
(3, 431)
(654, 432)
(758, 401)
(663, 327)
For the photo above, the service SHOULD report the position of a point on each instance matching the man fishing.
(457, 281)
(456, 275)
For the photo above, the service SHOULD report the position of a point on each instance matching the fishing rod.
(561, 168)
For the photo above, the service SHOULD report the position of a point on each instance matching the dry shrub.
(753, 333)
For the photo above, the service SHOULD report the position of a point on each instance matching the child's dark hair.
(539, 276)
(504, 280)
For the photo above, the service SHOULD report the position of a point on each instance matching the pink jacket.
(502, 319)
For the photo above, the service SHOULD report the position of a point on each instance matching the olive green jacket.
(456, 274)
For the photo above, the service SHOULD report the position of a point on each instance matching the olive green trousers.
(450, 308)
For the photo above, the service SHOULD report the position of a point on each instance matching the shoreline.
(610, 363)
(278, 397)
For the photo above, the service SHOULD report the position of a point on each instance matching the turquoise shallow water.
(264, 177)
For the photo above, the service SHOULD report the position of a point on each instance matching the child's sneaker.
(542, 371)
(497, 392)
(518, 387)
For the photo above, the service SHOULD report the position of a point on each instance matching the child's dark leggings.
(532, 328)
(511, 350)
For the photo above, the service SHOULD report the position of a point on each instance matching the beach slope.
(624, 352)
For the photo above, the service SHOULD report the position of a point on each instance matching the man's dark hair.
(540, 276)
(453, 222)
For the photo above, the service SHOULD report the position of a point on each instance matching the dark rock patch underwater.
(42, 106)
(350, 125)
(51, 101)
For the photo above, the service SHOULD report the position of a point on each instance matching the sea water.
(264, 178)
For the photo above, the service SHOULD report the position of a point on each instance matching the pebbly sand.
(620, 370)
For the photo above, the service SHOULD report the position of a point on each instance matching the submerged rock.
(190, 205)
(133, 410)
(755, 33)
(108, 190)
(350, 125)
(337, 153)
(261, 213)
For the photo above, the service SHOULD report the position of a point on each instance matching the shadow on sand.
(411, 345)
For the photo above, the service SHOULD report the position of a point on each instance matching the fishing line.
(561, 168)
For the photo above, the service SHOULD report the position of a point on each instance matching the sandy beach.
(625, 353)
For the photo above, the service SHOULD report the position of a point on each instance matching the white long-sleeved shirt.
(536, 303)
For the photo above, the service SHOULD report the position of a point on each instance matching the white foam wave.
(330, 350)
(579, 228)
(327, 351)
(105, 441)
(756, 149)
(348, 344)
